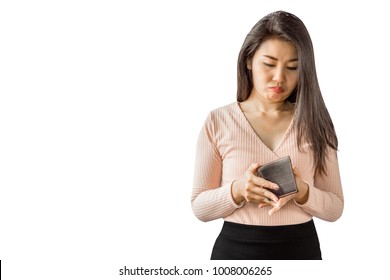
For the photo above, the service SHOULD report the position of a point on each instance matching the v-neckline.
(253, 132)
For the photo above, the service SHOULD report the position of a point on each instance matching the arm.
(325, 198)
(209, 199)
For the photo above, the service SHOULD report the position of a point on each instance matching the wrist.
(303, 193)
(236, 192)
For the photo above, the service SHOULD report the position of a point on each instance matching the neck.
(258, 104)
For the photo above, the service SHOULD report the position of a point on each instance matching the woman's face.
(274, 70)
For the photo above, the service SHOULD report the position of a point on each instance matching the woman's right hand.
(254, 189)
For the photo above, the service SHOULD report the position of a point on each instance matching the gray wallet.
(279, 172)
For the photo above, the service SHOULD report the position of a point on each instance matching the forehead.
(277, 48)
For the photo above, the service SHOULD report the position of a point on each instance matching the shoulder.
(226, 112)
(222, 119)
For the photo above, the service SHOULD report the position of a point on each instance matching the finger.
(265, 183)
(263, 186)
(266, 202)
(278, 205)
(273, 210)
(258, 197)
(296, 171)
(253, 168)
(262, 193)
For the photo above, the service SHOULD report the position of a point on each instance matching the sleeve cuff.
(309, 189)
(241, 204)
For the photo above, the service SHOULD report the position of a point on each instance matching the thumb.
(253, 167)
(296, 171)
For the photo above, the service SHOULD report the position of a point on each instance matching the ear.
(249, 64)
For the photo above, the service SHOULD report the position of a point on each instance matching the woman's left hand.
(300, 196)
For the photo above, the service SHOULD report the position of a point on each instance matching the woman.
(279, 111)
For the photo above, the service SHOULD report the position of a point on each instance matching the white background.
(101, 104)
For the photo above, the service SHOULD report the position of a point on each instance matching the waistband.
(268, 233)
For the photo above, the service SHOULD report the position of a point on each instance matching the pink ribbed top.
(228, 145)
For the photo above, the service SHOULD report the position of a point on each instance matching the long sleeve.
(227, 145)
(326, 200)
(209, 199)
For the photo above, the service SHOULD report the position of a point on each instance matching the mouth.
(277, 89)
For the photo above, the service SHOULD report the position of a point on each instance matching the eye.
(269, 65)
(292, 68)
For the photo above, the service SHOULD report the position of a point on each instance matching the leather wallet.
(279, 172)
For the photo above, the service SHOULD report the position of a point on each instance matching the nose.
(279, 75)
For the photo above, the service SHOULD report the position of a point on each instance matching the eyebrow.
(274, 58)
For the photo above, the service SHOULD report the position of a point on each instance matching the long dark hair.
(313, 122)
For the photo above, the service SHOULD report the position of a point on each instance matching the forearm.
(303, 194)
(327, 206)
(325, 194)
(237, 192)
(214, 203)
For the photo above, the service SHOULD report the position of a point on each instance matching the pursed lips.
(277, 89)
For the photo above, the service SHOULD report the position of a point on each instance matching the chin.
(277, 98)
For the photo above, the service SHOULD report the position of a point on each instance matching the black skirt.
(247, 242)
